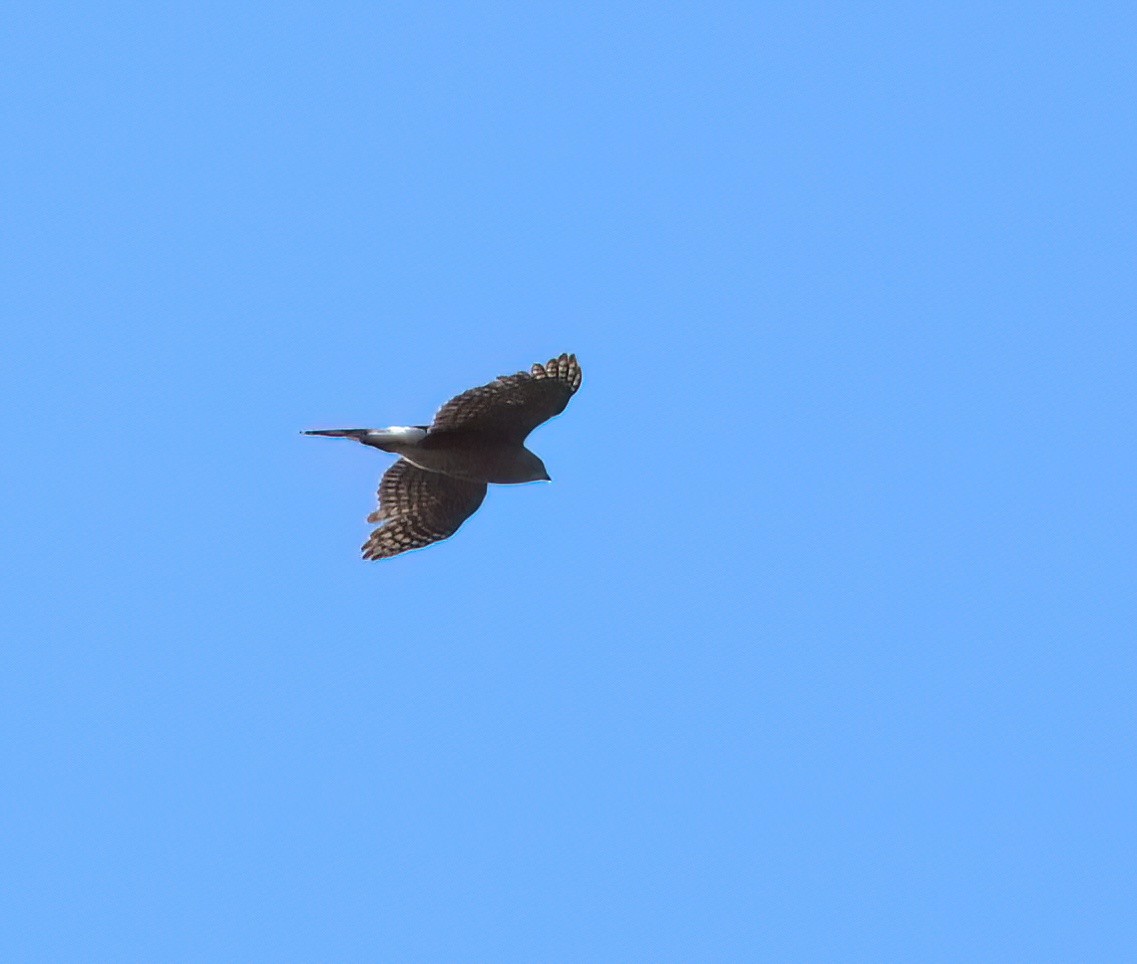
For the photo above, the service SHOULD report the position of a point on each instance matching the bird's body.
(470, 455)
(476, 438)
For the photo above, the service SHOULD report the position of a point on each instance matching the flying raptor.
(443, 468)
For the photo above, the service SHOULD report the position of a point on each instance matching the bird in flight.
(443, 468)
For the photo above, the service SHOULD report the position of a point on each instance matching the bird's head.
(531, 468)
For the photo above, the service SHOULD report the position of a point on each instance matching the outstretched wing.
(510, 407)
(417, 508)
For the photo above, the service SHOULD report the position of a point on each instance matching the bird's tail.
(356, 433)
(399, 436)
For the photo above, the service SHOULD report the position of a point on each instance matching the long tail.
(380, 438)
(356, 433)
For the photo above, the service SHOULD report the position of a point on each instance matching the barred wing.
(417, 508)
(510, 407)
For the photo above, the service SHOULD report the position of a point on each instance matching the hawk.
(443, 468)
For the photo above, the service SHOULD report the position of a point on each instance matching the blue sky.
(819, 646)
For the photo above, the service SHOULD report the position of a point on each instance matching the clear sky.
(819, 646)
